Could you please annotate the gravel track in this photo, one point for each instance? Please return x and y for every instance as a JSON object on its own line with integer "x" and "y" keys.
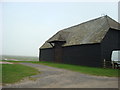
{"x": 51, "y": 77}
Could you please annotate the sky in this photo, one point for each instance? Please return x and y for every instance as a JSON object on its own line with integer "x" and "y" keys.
{"x": 25, "y": 26}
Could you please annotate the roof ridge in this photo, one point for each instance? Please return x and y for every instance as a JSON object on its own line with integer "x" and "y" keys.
{"x": 112, "y": 23}
{"x": 92, "y": 31}
{"x": 112, "y": 19}
{"x": 84, "y": 22}
{"x": 107, "y": 21}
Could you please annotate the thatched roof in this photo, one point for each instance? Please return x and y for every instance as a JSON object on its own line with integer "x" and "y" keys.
{"x": 89, "y": 32}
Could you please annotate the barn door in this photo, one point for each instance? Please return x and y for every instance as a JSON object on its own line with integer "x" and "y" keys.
{"x": 58, "y": 52}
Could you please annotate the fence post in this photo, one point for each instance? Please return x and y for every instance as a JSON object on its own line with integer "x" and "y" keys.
{"x": 113, "y": 65}
{"x": 104, "y": 63}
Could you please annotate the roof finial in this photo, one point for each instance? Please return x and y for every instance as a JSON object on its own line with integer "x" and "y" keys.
{"x": 103, "y": 14}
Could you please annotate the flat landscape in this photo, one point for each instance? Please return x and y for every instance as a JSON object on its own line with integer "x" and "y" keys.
{"x": 20, "y": 58}
{"x": 63, "y": 76}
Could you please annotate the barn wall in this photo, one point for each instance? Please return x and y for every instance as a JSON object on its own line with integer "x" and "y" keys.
{"x": 89, "y": 55}
{"x": 86, "y": 55}
{"x": 46, "y": 54}
{"x": 110, "y": 43}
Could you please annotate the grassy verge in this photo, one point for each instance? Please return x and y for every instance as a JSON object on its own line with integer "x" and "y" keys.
{"x": 0, "y": 73}
{"x": 14, "y": 72}
{"x": 82, "y": 69}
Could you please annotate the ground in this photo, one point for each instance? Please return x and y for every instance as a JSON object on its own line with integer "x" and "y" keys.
{"x": 51, "y": 77}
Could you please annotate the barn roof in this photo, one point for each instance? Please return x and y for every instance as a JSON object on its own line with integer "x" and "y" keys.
{"x": 89, "y": 32}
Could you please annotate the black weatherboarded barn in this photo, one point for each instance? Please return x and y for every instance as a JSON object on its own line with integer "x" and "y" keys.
{"x": 86, "y": 44}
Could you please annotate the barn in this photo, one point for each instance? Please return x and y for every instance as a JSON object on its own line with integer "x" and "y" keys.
{"x": 86, "y": 44}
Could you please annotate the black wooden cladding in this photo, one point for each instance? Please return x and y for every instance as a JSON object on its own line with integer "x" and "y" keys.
{"x": 110, "y": 43}
{"x": 86, "y": 54}
{"x": 46, "y": 54}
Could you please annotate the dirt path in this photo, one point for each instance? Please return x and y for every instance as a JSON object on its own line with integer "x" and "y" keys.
{"x": 59, "y": 78}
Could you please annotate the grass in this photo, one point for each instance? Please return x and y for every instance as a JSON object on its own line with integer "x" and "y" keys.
{"x": 15, "y": 72}
{"x": 82, "y": 69}
{"x": 0, "y": 73}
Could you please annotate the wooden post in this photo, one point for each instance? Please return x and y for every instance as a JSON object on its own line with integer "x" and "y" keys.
{"x": 104, "y": 63}
{"x": 113, "y": 65}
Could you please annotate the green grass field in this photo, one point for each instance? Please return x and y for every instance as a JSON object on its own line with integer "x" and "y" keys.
{"x": 15, "y": 72}
{"x": 82, "y": 69}
{"x": 85, "y": 69}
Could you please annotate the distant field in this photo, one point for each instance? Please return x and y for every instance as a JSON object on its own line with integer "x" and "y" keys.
{"x": 23, "y": 58}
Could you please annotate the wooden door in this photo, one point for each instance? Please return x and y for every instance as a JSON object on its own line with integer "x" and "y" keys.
{"x": 58, "y": 53}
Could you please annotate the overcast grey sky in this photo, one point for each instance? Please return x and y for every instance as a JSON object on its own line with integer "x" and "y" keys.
{"x": 26, "y": 26}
